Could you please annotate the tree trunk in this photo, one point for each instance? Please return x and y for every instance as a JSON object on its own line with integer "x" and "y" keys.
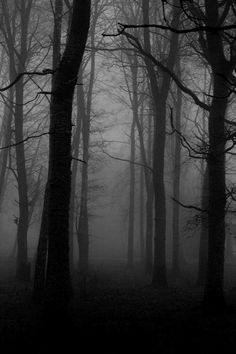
{"x": 75, "y": 152}
{"x": 42, "y": 249}
{"x": 58, "y": 284}
{"x": 213, "y": 295}
{"x": 130, "y": 255}
{"x": 176, "y": 191}
{"x": 83, "y": 228}
{"x": 160, "y": 95}
{"x": 41, "y": 255}
{"x": 159, "y": 266}
{"x": 202, "y": 266}
{"x": 149, "y": 205}
{"x": 8, "y": 116}
{"x": 23, "y": 267}
{"x": 221, "y": 71}
{"x": 141, "y": 218}
{"x": 149, "y": 230}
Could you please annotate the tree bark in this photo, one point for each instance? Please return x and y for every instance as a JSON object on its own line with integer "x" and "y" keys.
{"x": 75, "y": 152}
{"x": 221, "y": 70}
{"x": 41, "y": 255}
{"x": 159, "y": 95}
{"x": 8, "y": 117}
{"x": 213, "y": 294}
{"x": 130, "y": 255}
{"x": 176, "y": 252}
{"x": 141, "y": 218}
{"x": 202, "y": 265}
{"x": 42, "y": 249}
{"x": 83, "y": 227}
{"x": 58, "y": 284}
{"x": 23, "y": 267}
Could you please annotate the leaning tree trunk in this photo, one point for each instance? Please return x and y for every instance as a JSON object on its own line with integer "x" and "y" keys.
{"x": 42, "y": 249}
{"x": 58, "y": 284}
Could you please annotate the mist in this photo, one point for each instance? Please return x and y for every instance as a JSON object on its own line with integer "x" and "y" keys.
{"x": 117, "y": 176}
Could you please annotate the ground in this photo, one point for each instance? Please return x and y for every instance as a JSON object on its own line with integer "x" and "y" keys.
{"x": 119, "y": 312}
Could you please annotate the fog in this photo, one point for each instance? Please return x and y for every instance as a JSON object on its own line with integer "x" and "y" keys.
{"x": 117, "y": 175}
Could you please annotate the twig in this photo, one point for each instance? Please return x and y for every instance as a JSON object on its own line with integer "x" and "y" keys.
{"x": 23, "y": 141}
{"x": 190, "y": 206}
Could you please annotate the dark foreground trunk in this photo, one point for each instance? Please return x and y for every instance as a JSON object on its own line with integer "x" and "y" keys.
{"x": 214, "y": 295}
{"x": 58, "y": 284}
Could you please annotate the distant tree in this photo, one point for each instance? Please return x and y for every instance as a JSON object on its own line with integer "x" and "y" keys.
{"x": 160, "y": 95}
{"x": 176, "y": 252}
{"x": 18, "y": 50}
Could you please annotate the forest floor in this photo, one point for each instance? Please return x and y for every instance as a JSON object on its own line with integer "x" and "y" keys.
{"x": 120, "y": 313}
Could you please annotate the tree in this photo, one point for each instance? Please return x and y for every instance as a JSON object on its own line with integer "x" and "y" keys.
{"x": 42, "y": 249}
{"x": 160, "y": 95}
{"x": 59, "y": 177}
{"x": 18, "y": 61}
{"x": 222, "y": 69}
{"x": 176, "y": 253}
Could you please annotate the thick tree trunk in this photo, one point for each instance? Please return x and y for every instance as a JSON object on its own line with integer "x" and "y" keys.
{"x": 213, "y": 295}
{"x": 42, "y": 249}
{"x": 58, "y": 283}
{"x": 221, "y": 70}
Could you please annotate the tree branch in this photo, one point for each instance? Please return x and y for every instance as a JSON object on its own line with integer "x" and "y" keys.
{"x": 29, "y": 73}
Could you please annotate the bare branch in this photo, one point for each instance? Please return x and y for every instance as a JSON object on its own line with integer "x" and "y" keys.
{"x": 23, "y": 141}
{"x": 19, "y": 76}
{"x": 190, "y": 206}
{"x": 126, "y": 160}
